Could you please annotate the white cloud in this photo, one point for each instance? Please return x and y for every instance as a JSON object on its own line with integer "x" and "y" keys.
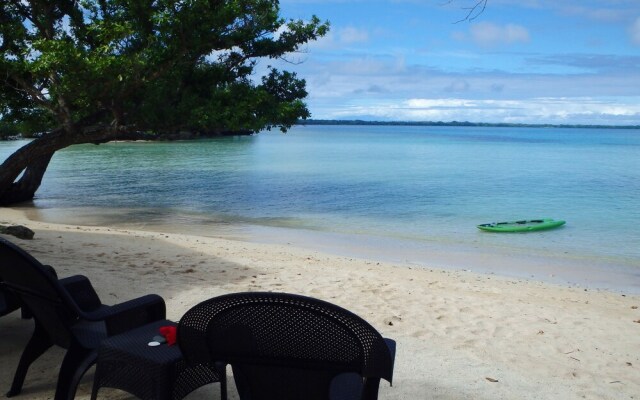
{"x": 327, "y": 42}
{"x": 538, "y": 110}
{"x": 337, "y": 39}
{"x": 634, "y": 32}
{"x": 437, "y": 103}
{"x": 487, "y": 34}
{"x": 350, "y": 35}
{"x": 330, "y": 43}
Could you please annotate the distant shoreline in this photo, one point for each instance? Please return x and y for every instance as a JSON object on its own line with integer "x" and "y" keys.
{"x": 144, "y": 137}
{"x": 458, "y": 123}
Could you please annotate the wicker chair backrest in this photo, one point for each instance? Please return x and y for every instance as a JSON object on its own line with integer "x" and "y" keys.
{"x": 39, "y": 290}
{"x": 8, "y": 301}
{"x": 286, "y": 334}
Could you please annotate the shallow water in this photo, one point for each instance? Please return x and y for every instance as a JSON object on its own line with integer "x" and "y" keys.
{"x": 396, "y": 193}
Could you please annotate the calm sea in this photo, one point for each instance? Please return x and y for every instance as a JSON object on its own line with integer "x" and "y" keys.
{"x": 402, "y": 194}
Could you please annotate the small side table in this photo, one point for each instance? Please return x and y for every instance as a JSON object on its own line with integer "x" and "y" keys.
{"x": 127, "y": 362}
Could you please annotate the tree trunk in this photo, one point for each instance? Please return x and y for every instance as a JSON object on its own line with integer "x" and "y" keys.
{"x": 32, "y": 160}
{"x": 25, "y": 188}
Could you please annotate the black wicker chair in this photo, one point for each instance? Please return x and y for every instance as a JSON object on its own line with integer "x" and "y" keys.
{"x": 288, "y": 347}
{"x": 67, "y": 313}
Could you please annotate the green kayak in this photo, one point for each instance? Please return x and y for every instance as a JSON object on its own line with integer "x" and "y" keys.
{"x": 522, "y": 226}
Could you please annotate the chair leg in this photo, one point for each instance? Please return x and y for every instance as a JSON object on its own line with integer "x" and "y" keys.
{"x": 76, "y": 362}
{"x": 25, "y": 313}
{"x": 95, "y": 388}
{"x": 222, "y": 370}
{"x": 38, "y": 344}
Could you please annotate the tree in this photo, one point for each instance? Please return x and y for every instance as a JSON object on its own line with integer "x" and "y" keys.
{"x": 90, "y": 71}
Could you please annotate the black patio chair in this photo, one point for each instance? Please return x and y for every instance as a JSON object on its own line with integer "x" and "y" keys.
{"x": 67, "y": 313}
{"x": 288, "y": 347}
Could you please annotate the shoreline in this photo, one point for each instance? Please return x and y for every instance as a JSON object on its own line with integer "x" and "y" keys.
{"x": 509, "y": 263}
{"x": 454, "y": 328}
{"x": 482, "y": 256}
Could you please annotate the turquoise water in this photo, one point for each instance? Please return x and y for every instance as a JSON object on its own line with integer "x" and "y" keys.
{"x": 400, "y": 193}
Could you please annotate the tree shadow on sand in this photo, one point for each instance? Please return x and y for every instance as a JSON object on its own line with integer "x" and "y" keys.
{"x": 119, "y": 270}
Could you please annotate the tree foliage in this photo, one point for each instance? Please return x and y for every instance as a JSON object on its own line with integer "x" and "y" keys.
{"x": 89, "y": 70}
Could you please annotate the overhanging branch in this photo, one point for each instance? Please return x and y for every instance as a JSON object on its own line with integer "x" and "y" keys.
{"x": 473, "y": 11}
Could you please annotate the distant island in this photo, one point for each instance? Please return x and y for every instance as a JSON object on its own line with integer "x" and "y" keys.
{"x": 458, "y": 123}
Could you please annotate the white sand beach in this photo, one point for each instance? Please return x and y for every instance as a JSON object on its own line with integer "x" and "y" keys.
{"x": 460, "y": 335}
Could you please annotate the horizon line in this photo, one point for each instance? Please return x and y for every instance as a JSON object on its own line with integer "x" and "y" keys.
{"x": 458, "y": 123}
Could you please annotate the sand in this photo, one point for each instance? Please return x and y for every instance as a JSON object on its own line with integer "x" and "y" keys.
{"x": 460, "y": 335}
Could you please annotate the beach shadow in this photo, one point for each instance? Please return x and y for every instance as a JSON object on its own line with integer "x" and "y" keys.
{"x": 120, "y": 270}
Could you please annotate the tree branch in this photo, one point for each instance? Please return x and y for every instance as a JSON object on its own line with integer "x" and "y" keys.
{"x": 473, "y": 11}
{"x": 21, "y": 85}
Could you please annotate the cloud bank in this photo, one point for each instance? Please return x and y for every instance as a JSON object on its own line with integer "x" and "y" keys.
{"x": 487, "y": 34}
{"x": 538, "y": 110}
{"x": 520, "y": 61}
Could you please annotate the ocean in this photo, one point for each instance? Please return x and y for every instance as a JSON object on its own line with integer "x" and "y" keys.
{"x": 406, "y": 194}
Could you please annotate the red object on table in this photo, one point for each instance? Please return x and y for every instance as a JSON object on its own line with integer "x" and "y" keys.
{"x": 169, "y": 333}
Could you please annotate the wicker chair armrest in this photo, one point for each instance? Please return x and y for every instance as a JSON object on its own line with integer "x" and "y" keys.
{"x": 51, "y": 270}
{"x": 129, "y": 314}
{"x": 372, "y": 384}
{"x": 82, "y": 292}
{"x": 391, "y": 344}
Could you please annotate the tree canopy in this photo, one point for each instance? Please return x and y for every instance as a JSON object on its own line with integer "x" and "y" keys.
{"x": 89, "y": 71}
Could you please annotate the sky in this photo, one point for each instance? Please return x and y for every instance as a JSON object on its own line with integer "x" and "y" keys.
{"x": 518, "y": 61}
